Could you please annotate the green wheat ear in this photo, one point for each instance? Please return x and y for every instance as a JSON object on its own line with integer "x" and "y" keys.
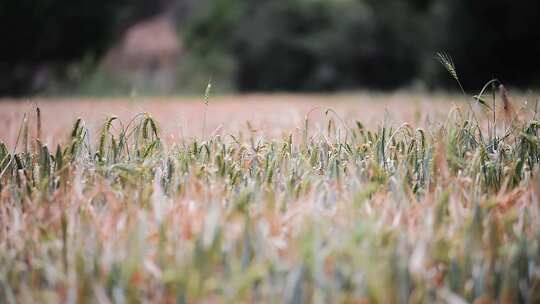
{"x": 207, "y": 91}
{"x": 448, "y": 64}
{"x": 206, "y": 99}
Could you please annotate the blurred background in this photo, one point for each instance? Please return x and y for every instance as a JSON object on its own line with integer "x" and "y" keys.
{"x": 163, "y": 47}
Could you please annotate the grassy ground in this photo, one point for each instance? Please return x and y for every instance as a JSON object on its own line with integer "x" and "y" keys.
{"x": 337, "y": 199}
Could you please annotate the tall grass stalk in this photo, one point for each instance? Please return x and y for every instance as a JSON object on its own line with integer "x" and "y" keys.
{"x": 206, "y": 101}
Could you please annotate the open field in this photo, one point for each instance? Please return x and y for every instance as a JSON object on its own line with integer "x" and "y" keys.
{"x": 271, "y": 199}
{"x": 271, "y": 115}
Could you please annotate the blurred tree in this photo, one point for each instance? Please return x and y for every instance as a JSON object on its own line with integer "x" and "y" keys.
{"x": 383, "y": 44}
{"x": 314, "y": 44}
{"x": 40, "y": 37}
{"x": 302, "y": 45}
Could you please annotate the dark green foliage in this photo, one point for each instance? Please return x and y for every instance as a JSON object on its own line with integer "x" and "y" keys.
{"x": 319, "y": 45}
{"x": 295, "y": 45}
{"x": 311, "y": 45}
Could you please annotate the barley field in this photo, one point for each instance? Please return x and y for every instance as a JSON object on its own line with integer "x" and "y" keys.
{"x": 359, "y": 198}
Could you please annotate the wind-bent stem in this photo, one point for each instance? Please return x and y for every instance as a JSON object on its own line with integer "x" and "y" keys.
{"x": 494, "y": 112}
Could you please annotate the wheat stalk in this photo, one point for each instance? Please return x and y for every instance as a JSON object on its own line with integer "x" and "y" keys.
{"x": 206, "y": 100}
{"x": 448, "y": 63}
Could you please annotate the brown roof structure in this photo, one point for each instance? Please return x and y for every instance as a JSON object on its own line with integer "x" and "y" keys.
{"x": 155, "y": 37}
{"x": 148, "y": 53}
